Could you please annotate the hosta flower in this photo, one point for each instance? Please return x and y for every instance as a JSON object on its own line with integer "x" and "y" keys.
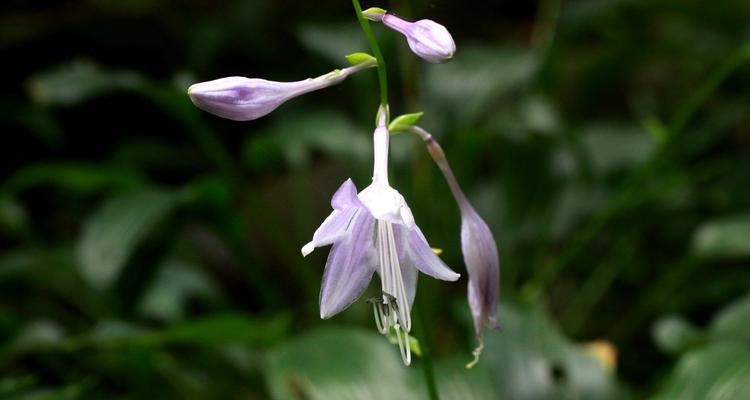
{"x": 426, "y": 38}
{"x": 477, "y": 244}
{"x": 374, "y": 231}
{"x": 243, "y": 99}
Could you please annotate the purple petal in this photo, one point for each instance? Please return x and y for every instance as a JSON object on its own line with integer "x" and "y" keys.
{"x": 332, "y": 229}
{"x": 346, "y": 196}
{"x": 409, "y": 276}
{"x": 419, "y": 255}
{"x": 481, "y": 258}
{"x": 349, "y": 268}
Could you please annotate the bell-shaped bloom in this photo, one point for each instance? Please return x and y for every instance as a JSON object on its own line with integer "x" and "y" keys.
{"x": 477, "y": 244}
{"x": 374, "y": 231}
{"x": 426, "y": 38}
{"x": 244, "y": 99}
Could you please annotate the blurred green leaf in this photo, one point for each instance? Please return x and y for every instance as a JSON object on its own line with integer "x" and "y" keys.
{"x": 530, "y": 359}
{"x": 733, "y": 321}
{"x": 113, "y": 232}
{"x": 332, "y": 41}
{"x": 79, "y": 81}
{"x": 175, "y": 284}
{"x": 726, "y": 237}
{"x": 13, "y": 217}
{"x": 472, "y": 82}
{"x": 718, "y": 371}
{"x": 36, "y": 334}
{"x": 68, "y": 392}
{"x": 296, "y": 137}
{"x": 674, "y": 335}
{"x": 456, "y": 382}
{"x": 336, "y": 364}
{"x": 615, "y": 146}
{"x": 79, "y": 178}
{"x": 224, "y": 329}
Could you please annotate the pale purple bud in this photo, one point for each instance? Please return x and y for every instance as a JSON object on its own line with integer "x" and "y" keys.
{"x": 426, "y": 38}
{"x": 477, "y": 245}
{"x": 244, "y": 99}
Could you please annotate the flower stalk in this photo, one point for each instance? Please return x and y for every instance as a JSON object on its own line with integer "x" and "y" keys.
{"x": 373, "y": 43}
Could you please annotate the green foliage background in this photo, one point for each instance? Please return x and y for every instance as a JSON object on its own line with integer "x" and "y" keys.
{"x": 150, "y": 250}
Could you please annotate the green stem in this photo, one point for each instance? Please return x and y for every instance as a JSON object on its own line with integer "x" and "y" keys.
{"x": 382, "y": 75}
{"x": 691, "y": 105}
{"x": 429, "y": 372}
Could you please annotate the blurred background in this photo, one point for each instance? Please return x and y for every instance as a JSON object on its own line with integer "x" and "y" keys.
{"x": 150, "y": 250}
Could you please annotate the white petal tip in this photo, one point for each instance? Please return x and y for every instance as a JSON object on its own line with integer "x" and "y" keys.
{"x": 453, "y": 277}
{"x": 307, "y": 249}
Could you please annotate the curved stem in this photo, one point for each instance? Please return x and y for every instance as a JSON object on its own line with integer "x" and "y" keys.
{"x": 382, "y": 75}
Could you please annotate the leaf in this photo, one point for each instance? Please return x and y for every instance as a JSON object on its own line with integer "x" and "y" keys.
{"x": 456, "y": 382}
{"x": 469, "y": 84}
{"x": 529, "y": 359}
{"x": 403, "y": 122}
{"x": 224, "y": 329}
{"x": 733, "y": 321}
{"x": 335, "y": 364}
{"x": 13, "y": 216}
{"x": 115, "y": 230}
{"x": 614, "y": 146}
{"x": 718, "y": 371}
{"x": 175, "y": 284}
{"x": 723, "y": 238}
{"x": 79, "y": 178}
{"x": 79, "y": 81}
{"x": 332, "y": 40}
{"x": 674, "y": 335}
{"x": 296, "y": 137}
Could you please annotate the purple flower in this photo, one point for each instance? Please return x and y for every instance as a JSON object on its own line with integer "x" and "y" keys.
{"x": 374, "y": 231}
{"x": 477, "y": 245}
{"x": 244, "y": 99}
{"x": 426, "y": 38}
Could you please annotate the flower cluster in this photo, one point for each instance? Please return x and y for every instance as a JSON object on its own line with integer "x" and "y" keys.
{"x": 374, "y": 230}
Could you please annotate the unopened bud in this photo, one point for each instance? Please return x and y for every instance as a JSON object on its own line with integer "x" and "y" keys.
{"x": 427, "y": 39}
{"x": 244, "y": 99}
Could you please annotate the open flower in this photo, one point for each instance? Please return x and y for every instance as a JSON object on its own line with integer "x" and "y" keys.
{"x": 426, "y": 38}
{"x": 244, "y": 99}
{"x": 374, "y": 231}
{"x": 477, "y": 245}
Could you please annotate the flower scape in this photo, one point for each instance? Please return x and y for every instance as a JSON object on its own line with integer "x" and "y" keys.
{"x": 373, "y": 230}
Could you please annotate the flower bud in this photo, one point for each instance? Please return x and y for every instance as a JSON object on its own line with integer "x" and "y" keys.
{"x": 244, "y": 99}
{"x": 477, "y": 245}
{"x": 426, "y": 38}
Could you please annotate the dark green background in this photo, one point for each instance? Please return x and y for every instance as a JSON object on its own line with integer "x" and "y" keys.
{"x": 151, "y": 250}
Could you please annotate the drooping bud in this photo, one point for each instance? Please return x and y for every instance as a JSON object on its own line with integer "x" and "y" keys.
{"x": 427, "y": 39}
{"x": 244, "y": 99}
{"x": 477, "y": 245}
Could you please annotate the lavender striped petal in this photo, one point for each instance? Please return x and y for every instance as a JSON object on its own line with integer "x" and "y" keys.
{"x": 346, "y": 196}
{"x": 349, "y": 268}
{"x": 419, "y": 255}
{"x": 334, "y": 227}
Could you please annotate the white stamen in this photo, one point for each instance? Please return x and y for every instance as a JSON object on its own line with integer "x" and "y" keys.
{"x": 403, "y": 302}
{"x": 404, "y": 346}
{"x": 394, "y": 310}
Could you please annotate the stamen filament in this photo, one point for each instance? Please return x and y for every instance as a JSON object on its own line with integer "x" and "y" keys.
{"x": 404, "y": 346}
